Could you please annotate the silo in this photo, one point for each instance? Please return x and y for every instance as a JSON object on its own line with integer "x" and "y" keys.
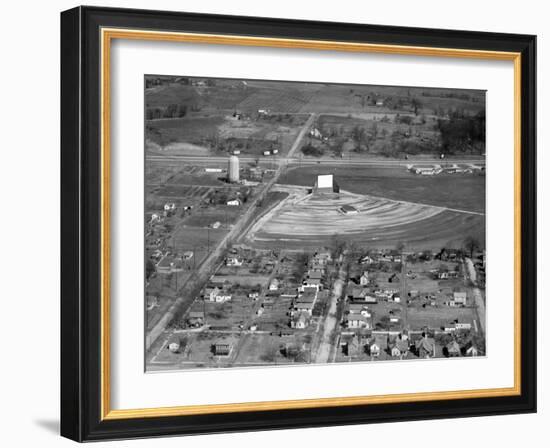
{"x": 233, "y": 170}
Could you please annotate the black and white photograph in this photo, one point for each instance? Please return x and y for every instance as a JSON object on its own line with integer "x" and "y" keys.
{"x": 307, "y": 223}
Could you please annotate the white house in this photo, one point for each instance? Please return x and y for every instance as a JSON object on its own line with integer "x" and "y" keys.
{"x": 358, "y": 308}
{"x": 399, "y": 348}
{"x": 472, "y": 351}
{"x": 234, "y": 202}
{"x": 364, "y": 279}
{"x": 304, "y": 307}
{"x": 215, "y": 295}
{"x": 367, "y": 260}
{"x": 274, "y": 285}
{"x": 300, "y": 321}
{"x": 233, "y": 261}
{"x": 359, "y": 321}
{"x": 459, "y": 298}
{"x": 312, "y": 283}
{"x": 169, "y": 207}
{"x": 374, "y": 350}
{"x": 173, "y": 347}
{"x": 222, "y": 298}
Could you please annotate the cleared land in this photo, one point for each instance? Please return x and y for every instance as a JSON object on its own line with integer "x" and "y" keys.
{"x": 311, "y": 220}
{"x": 464, "y": 192}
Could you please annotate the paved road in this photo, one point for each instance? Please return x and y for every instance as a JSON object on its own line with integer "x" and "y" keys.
{"x": 290, "y": 160}
{"x": 478, "y": 298}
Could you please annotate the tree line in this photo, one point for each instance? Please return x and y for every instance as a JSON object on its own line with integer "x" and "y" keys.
{"x": 170, "y": 111}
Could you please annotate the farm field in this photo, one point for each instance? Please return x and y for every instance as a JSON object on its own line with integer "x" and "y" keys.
{"x": 335, "y": 98}
{"x": 460, "y": 191}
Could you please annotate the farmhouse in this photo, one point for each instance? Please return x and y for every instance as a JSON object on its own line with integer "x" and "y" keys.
{"x": 234, "y": 202}
{"x": 364, "y": 279}
{"x": 274, "y": 285}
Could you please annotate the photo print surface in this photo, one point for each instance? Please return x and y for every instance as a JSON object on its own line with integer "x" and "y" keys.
{"x": 294, "y": 223}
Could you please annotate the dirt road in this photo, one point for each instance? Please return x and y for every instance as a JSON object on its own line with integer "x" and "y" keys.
{"x": 331, "y": 321}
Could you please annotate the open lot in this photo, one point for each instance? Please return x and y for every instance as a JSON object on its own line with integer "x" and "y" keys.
{"x": 460, "y": 191}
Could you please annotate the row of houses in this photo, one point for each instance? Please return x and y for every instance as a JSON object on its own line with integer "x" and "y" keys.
{"x": 402, "y": 347}
{"x": 309, "y": 291}
{"x": 380, "y": 257}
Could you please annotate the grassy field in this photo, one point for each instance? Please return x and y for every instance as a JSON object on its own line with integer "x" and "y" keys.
{"x": 460, "y": 191}
{"x": 190, "y": 130}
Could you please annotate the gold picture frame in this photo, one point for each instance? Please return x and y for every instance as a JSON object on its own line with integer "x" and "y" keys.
{"x": 106, "y": 33}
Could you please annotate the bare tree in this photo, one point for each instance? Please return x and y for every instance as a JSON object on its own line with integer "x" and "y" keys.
{"x": 471, "y": 243}
{"x": 416, "y": 104}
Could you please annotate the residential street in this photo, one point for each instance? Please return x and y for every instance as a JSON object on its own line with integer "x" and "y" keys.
{"x": 478, "y": 299}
